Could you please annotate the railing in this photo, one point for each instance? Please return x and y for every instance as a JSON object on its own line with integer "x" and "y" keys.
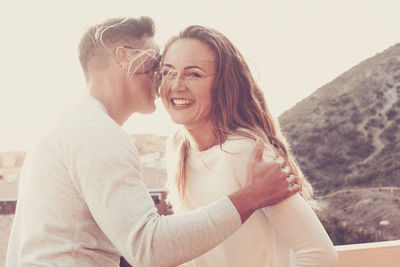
{"x": 378, "y": 254}
{"x": 7, "y": 206}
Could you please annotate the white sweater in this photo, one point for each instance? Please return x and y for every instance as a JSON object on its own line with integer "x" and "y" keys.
{"x": 270, "y": 236}
{"x": 82, "y": 202}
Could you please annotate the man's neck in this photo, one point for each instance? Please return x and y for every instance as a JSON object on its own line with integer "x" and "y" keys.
{"x": 109, "y": 92}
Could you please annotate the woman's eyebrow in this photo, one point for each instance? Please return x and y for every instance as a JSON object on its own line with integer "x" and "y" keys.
{"x": 193, "y": 67}
{"x": 185, "y": 68}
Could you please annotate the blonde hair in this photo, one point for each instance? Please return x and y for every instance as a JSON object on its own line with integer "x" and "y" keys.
{"x": 238, "y": 106}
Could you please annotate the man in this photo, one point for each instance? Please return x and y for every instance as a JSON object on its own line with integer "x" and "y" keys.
{"x": 82, "y": 201}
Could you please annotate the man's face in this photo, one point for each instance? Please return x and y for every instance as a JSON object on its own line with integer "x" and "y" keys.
{"x": 141, "y": 67}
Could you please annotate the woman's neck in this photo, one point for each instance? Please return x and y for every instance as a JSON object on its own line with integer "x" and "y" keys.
{"x": 202, "y": 138}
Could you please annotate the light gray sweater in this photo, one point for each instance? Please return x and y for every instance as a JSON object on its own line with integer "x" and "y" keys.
{"x": 82, "y": 202}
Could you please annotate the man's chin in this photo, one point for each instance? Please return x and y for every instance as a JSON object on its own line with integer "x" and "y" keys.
{"x": 148, "y": 110}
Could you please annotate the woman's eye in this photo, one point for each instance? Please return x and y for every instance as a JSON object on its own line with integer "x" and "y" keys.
{"x": 193, "y": 75}
{"x": 168, "y": 74}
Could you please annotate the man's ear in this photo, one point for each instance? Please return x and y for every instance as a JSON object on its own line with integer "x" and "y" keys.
{"x": 121, "y": 56}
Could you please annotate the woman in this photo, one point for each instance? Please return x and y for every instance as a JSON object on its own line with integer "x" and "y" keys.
{"x": 207, "y": 87}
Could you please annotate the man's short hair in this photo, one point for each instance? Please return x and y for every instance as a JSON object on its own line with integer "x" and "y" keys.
{"x": 100, "y": 39}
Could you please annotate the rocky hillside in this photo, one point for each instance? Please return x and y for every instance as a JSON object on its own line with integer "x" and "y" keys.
{"x": 346, "y": 135}
{"x": 361, "y": 215}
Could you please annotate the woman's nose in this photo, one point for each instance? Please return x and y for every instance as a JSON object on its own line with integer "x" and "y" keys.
{"x": 178, "y": 84}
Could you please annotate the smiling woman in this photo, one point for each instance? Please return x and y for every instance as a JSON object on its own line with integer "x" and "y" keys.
{"x": 207, "y": 87}
{"x": 187, "y": 77}
{"x": 81, "y": 186}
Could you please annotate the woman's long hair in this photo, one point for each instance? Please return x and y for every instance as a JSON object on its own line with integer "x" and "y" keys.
{"x": 238, "y": 106}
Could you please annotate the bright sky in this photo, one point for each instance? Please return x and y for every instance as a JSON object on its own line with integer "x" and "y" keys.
{"x": 294, "y": 47}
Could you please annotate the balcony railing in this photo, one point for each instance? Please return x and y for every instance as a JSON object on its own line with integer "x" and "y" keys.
{"x": 377, "y": 254}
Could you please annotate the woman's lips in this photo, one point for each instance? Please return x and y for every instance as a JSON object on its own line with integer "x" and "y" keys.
{"x": 181, "y": 102}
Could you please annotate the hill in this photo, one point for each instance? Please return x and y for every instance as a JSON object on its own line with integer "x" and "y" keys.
{"x": 346, "y": 136}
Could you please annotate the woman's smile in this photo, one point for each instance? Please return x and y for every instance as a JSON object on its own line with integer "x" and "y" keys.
{"x": 181, "y": 103}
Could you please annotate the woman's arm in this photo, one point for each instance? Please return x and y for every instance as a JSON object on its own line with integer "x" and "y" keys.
{"x": 297, "y": 224}
{"x": 293, "y": 219}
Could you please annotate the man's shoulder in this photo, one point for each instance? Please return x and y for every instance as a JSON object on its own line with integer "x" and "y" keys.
{"x": 84, "y": 122}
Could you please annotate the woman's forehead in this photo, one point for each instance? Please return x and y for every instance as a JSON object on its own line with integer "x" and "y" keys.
{"x": 188, "y": 52}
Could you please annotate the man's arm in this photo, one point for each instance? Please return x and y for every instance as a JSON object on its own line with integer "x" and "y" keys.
{"x": 266, "y": 184}
{"x": 109, "y": 180}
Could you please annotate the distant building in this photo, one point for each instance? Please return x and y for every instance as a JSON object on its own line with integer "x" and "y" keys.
{"x": 10, "y": 166}
{"x": 155, "y": 180}
{"x": 153, "y": 160}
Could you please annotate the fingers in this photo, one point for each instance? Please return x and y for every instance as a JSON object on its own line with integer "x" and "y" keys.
{"x": 271, "y": 184}
{"x": 294, "y": 188}
{"x": 285, "y": 167}
{"x": 293, "y": 184}
{"x": 291, "y": 179}
{"x": 280, "y": 160}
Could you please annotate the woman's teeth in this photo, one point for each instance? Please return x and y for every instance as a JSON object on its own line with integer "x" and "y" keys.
{"x": 181, "y": 101}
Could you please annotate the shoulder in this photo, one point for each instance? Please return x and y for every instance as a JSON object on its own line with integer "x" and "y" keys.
{"x": 240, "y": 146}
{"x": 88, "y": 119}
{"x": 85, "y": 125}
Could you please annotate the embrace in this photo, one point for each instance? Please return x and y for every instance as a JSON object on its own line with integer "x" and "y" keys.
{"x": 239, "y": 197}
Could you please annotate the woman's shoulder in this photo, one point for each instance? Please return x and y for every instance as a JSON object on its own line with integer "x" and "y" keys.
{"x": 244, "y": 146}
{"x": 238, "y": 144}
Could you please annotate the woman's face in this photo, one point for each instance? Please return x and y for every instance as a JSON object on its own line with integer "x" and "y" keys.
{"x": 188, "y": 73}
